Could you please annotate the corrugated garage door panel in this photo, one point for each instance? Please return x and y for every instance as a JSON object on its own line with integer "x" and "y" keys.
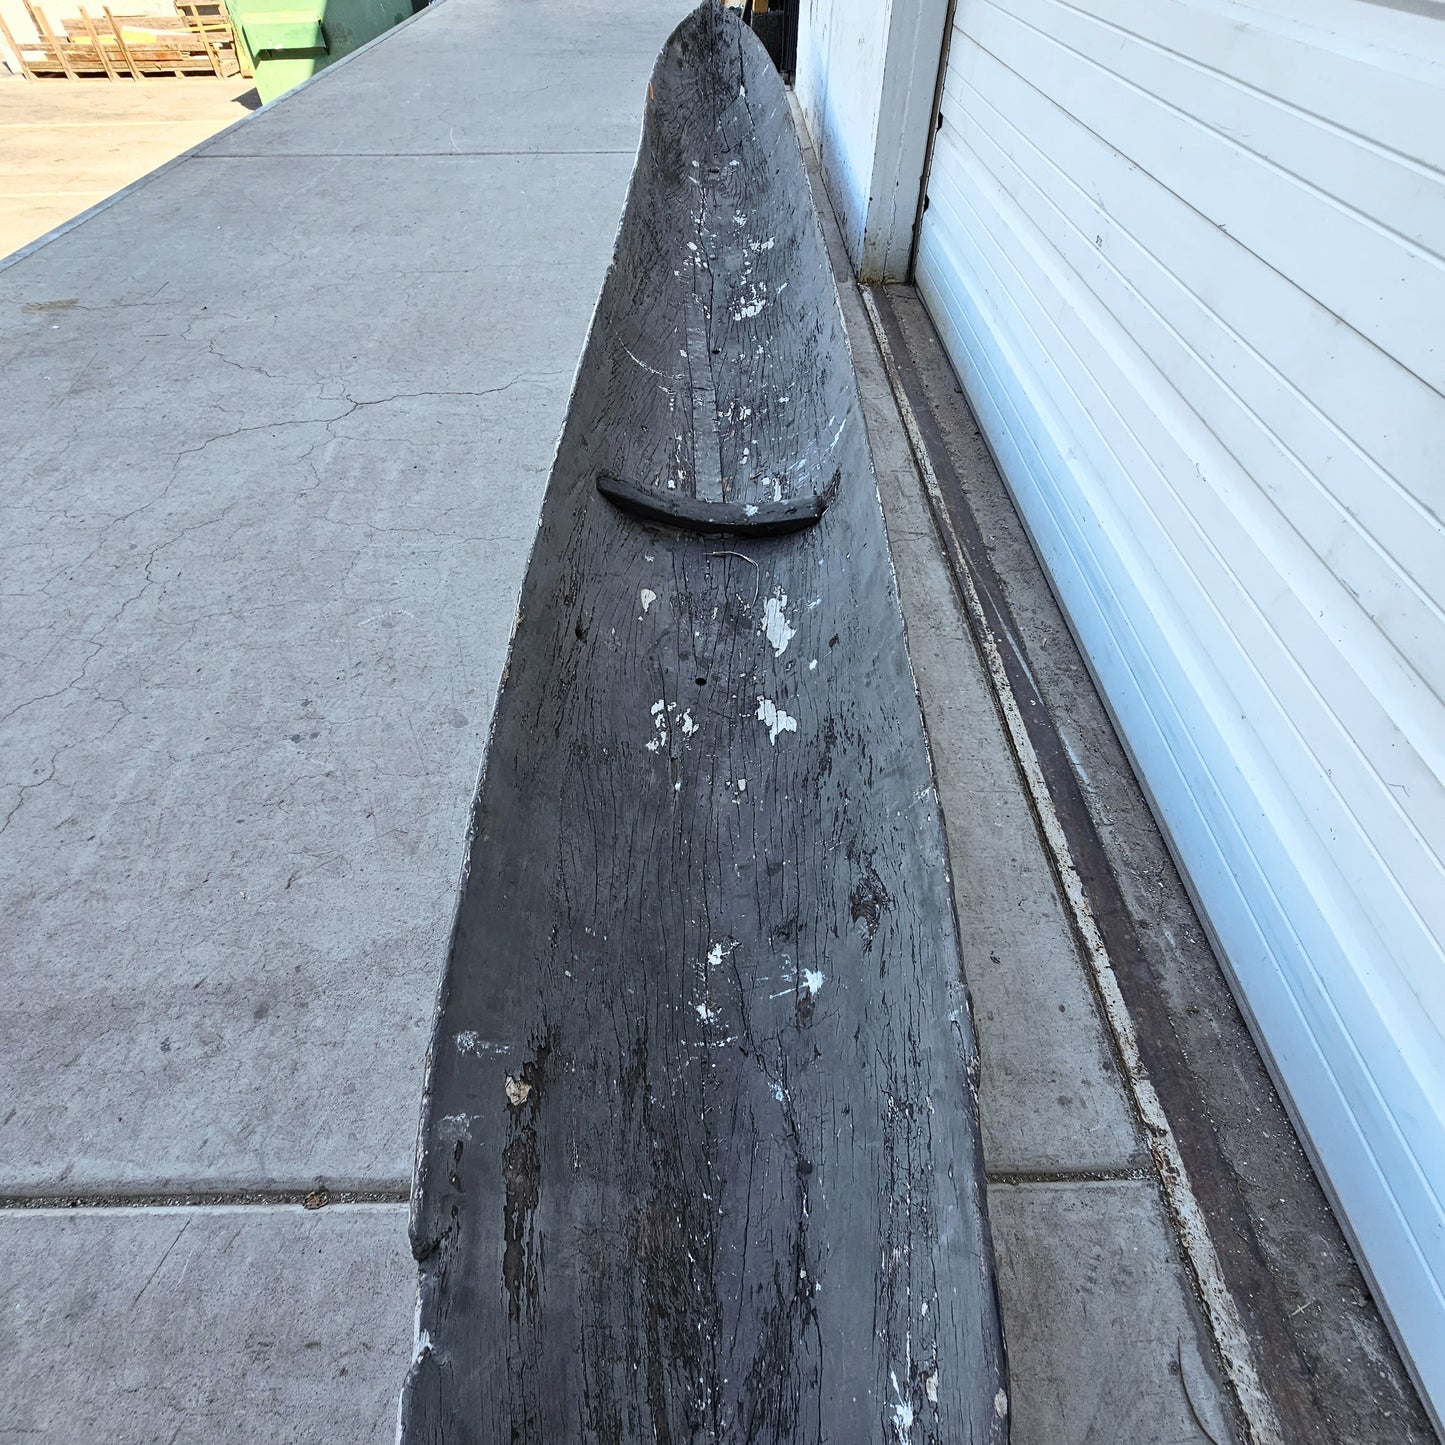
{"x": 1188, "y": 260}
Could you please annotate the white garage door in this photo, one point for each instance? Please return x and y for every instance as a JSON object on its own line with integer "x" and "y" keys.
{"x": 1189, "y": 259}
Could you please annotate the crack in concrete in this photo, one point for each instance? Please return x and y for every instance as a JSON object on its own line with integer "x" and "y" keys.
{"x": 352, "y": 405}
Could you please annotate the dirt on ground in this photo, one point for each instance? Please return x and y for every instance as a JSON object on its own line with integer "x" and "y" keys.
{"x": 66, "y": 144}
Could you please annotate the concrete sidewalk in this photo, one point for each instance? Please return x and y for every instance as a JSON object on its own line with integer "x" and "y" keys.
{"x": 277, "y": 426}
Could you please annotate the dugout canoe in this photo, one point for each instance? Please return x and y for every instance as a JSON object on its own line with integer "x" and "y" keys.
{"x": 699, "y": 1156}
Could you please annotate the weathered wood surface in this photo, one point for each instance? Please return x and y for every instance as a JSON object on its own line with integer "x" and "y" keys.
{"x": 699, "y": 1155}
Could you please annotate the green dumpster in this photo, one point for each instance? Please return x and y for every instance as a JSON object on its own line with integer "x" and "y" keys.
{"x": 286, "y": 41}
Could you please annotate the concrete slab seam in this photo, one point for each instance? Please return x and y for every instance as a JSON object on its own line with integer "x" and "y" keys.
{"x": 51, "y": 1210}
{"x": 1235, "y": 1350}
{"x": 312, "y": 1197}
{"x": 1068, "y": 1176}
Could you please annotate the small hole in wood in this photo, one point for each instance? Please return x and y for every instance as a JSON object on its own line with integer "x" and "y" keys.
{"x": 701, "y": 681}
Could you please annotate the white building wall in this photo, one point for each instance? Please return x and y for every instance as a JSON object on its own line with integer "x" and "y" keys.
{"x": 839, "y": 84}
{"x": 866, "y": 75}
{"x": 1189, "y": 259}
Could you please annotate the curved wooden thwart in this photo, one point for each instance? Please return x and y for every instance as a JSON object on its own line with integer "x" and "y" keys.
{"x": 699, "y": 1156}
{"x": 694, "y": 514}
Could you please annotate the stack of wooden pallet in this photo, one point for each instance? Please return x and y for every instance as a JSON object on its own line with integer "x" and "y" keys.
{"x": 193, "y": 39}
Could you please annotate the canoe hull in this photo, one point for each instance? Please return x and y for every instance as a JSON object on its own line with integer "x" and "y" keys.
{"x": 699, "y": 1154}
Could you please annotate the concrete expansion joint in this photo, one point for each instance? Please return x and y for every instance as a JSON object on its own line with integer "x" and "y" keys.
{"x": 313, "y": 1197}
{"x": 1017, "y": 1177}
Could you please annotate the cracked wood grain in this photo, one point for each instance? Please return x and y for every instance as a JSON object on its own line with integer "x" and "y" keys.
{"x": 699, "y": 1156}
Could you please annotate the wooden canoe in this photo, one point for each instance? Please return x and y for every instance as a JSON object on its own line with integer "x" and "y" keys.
{"x": 699, "y": 1157}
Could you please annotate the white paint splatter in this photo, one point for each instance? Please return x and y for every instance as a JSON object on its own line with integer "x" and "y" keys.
{"x": 775, "y": 625}
{"x": 715, "y": 955}
{"x": 685, "y": 724}
{"x": 813, "y": 665}
{"x": 813, "y": 981}
{"x": 749, "y": 305}
{"x": 779, "y": 1093}
{"x": 706, "y": 1014}
{"x": 902, "y": 1412}
{"x": 930, "y": 1387}
{"x": 749, "y": 510}
{"x": 659, "y": 721}
{"x": 761, "y": 245}
{"x": 648, "y": 598}
{"x": 469, "y": 1041}
{"x": 517, "y": 1091}
{"x": 1000, "y": 1404}
{"x": 775, "y": 719}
